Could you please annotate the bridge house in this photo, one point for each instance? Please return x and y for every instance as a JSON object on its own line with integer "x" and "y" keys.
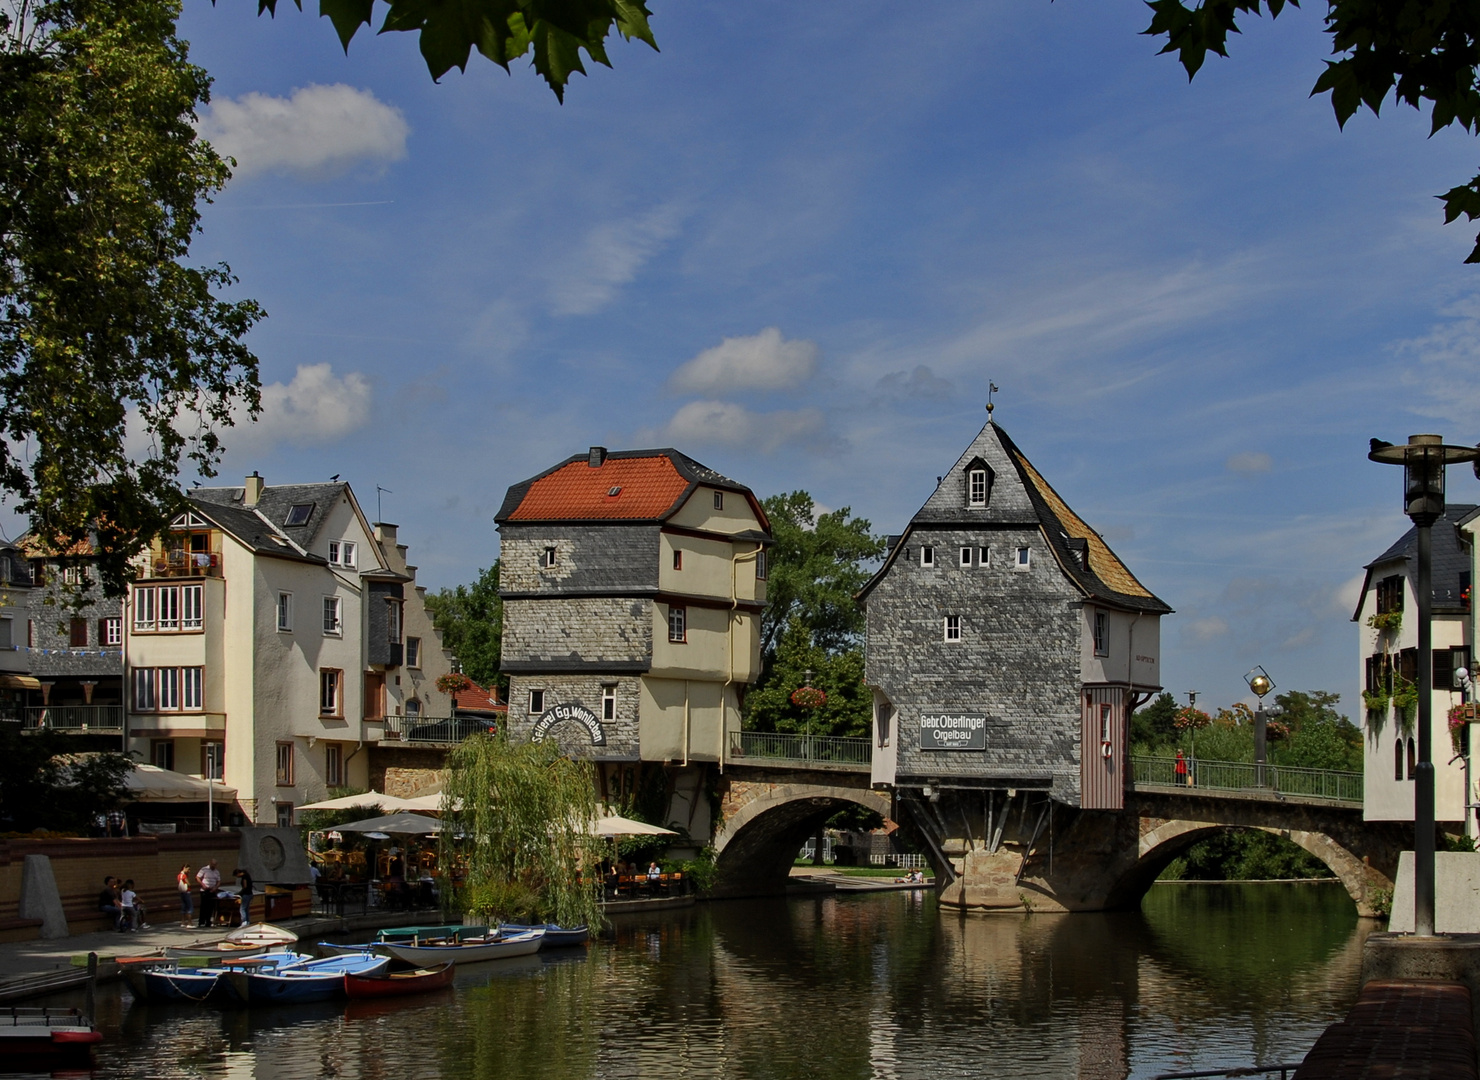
{"x": 633, "y": 584}
{"x": 1388, "y": 659}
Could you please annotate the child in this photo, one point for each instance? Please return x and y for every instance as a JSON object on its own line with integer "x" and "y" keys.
{"x": 133, "y": 910}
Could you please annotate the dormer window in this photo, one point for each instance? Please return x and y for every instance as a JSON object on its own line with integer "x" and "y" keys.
{"x": 978, "y": 485}
{"x": 298, "y": 514}
{"x": 547, "y": 558}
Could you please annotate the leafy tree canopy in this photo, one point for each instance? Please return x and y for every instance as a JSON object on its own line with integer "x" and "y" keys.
{"x": 471, "y": 618}
{"x": 43, "y": 787}
{"x": 1423, "y": 52}
{"x": 849, "y": 706}
{"x": 103, "y": 325}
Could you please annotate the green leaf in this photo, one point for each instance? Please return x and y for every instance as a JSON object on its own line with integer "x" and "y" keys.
{"x": 347, "y": 16}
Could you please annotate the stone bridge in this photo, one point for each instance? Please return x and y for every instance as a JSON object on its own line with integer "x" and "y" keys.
{"x": 1006, "y": 850}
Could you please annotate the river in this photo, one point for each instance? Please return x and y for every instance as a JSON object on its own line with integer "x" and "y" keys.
{"x": 862, "y": 985}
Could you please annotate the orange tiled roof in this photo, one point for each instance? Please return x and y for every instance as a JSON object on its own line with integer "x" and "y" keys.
{"x": 477, "y": 699}
{"x": 649, "y": 486}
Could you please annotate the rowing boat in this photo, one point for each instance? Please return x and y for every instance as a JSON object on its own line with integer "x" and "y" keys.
{"x": 44, "y": 1033}
{"x": 555, "y": 936}
{"x": 245, "y": 941}
{"x": 176, "y": 981}
{"x": 296, "y": 984}
{"x": 465, "y": 950}
{"x": 396, "y": 983}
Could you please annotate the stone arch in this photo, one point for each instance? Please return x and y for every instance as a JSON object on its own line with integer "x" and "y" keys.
{"x": 762, "y": 831}
{"x": 1167, "y": 839}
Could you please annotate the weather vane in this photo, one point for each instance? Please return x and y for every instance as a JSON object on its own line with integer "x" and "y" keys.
{"x": 991, "y": 389}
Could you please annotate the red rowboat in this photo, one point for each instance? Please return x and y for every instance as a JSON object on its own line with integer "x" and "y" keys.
{"x": 396, "y": 983}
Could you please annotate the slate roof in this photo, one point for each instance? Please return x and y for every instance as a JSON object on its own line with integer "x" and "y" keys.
{"x": 651, "y": 486}
{"x": 276, "y": 501}
{"x": 1021, "y": 496}
{"x": 250, "y": 529}
{"x": 1451, "y": 567}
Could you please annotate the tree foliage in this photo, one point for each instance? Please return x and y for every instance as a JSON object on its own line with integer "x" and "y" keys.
{"x": 471, "y": 618}
{"x": 1423, "y": 52}
{"x": 43, "y": 787}
{"x": 103, "y": 326}
{"x": 523, "y": 811}
{"x": 849, "y": 706}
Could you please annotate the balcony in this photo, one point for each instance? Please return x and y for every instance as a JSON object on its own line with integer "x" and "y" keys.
{"x": 179, "y": 563}
{"x": 431, "y": 730}
{"x": 72, "y": 719}
{"x": 780, "y": 749}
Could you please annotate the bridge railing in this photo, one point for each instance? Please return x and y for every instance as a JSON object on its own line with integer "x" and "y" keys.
{"x": 1246, "y": 776}
{"x": 818, "y": 751}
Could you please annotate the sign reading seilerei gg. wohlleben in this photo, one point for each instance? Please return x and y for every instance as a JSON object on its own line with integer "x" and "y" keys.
{"x": 561, "y": 713}
{"x": 953, "y": 731}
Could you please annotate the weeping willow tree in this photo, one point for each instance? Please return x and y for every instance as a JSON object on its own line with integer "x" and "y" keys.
{"x": 522, "y": 811}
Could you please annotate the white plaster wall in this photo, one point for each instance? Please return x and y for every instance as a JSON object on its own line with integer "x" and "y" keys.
{"x": 1135, "y": 649}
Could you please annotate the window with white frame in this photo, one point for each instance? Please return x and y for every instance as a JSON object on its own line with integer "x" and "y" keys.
{"x": 1023, "y": 559}
{"x": 976, "y": 487}
{"x": 169, "y": 689}
{"x": 413, "y": 652}
{"x": 72, "y": 575}
{"x": 342, "y": 553}
{"x": 984, "y": 556}
{"x": 953, "y": 628}
{"x": 719, "y": 500}
{"x": 144, "y": 612}
{"x": 413, "y": 707}
{"x": 547, "y": 558}
{"x": 536, "y": 702}
{"x": 144, "y": 697}
{"x": 331, "y": 692}
{"x": 927, "y": 555}
{"x": 1102, "y": 634}
{"x": 333, "y": 615}
{"x": 393, "y": 621}
{"x": 112, "y": 630}
{"x": 192, "y": 607}
{"x": 966, "y": 556}
{"x": 334, "y": 765}
{"x": 678, "y": 624}
{"x": 608, "y": 702}
{"x": 760, "y": 565}
{"x": 1105, "y": 725}
{"x": 192, "y": 689}
{"x": 285, "y": 764}
{"x": 285, "y": 611}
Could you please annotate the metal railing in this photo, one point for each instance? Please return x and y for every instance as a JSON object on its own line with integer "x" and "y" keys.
{"x": 443, "y": 730}
{"x": 70, "y": 718}
{"x": 1247, "y": 777}
{"x": 822, "y": 751}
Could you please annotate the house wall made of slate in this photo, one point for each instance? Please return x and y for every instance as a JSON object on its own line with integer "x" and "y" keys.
{"x": 587, "y": 557}
{"x": 622, "y": 742}
{"x": 1018, "y": 661}
{"x": 53, "y": 656}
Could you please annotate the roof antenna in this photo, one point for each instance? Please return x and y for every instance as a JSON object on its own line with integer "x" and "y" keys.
{"x": 378, "y": 489}
{"x": 991, "y": 389}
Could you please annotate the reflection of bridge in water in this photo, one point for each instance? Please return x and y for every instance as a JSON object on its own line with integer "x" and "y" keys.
{"x": 996, "y": 848}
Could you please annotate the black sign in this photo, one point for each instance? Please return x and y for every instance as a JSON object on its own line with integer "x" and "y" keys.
{"x": 953, "y": 731}
{"x": 560, "y": 713}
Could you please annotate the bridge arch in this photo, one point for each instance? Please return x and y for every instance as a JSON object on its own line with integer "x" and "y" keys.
{"x": 765, "y": 824}
{"x": 1163, "y": 841}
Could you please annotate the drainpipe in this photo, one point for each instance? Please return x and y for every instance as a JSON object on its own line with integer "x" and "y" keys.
{"x": 735, "y": 561}
{"x": 686, "y": 723}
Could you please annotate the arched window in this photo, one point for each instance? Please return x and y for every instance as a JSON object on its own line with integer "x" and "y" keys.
{"x": 1412, "y": 759}
{"x": 1398, "y": 760}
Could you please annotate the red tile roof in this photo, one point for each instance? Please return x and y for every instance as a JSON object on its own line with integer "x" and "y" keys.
{"x": 648, "y": 488}
{"x": 477, "y": 699}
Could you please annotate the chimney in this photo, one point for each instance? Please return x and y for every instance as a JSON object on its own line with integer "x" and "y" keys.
{"x": 385, "y": 532}
{"x": 252, "y": 493}
{"x": 597, "y": 458}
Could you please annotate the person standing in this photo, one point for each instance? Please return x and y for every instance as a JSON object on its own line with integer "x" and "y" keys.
{"x": 1181, "y": 770}
{"x": 187, "y": 906}
{"x": 244, "y": 890}
{"x": 209, "y": 879}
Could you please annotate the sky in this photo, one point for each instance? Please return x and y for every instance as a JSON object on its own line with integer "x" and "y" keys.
{"x": 799, "y": 241}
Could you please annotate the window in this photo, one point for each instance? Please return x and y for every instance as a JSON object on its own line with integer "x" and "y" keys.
{"x": 110, "y": 630}
{"x": 169, "y": 608}
{"x": 678, "y": 619}
{"x": 413, "y": 707}
{"x": 342, "y": 553}
{"x": 678, "y": 560}
{"x": 192, "y": 698}
{"x": 72, "y": 575}
{"x": 284, "y": 814}
{"x": 1390, "y": 594}
{"x": 331, "y": 687}
{"x": 333, "y": 622}
{"x": 30, "y": 633}
{"x": 212, "y": 756}
{"x": 1447, "y": 663}
{"x": 927, "y": 556}
{"x": 77, "y": 636}
{"x": 1412, "y": 759}
{"x": 966, "y": 556}
{"x": 162, "y": 753}
{"x": 536, "y": 702}
{"x": 881, "y": 720}
{"x": 760, "y": 565}
{"x": 1398, "y": 760}
{"x": 7, "y": 633}
{"x": 393, "y": 621}
{"x": 413, "y": 652}
{"x": 1104, "y": 723}
{"x": 547, "y": 557}
{"x": 953, "y": 628}
{"x": 169, "y": 689}
{"x": 144, "y": 609}
{"x": 1102, "y": 634}
{"x": 608, "y": 702}
{"x": 285, "y": 764}
{"x": 299, "y": 514}
{"x": 285, "y": 611}
{"x": 719, "y": 500}
{"x": 144, "y": 699}
{"x": 192, "y": 607}
{"x": 984, "y": 556}
{"x": 1023, "y": 560}
{"x": 976, "y": 487}
{"x": 333, "y": 765}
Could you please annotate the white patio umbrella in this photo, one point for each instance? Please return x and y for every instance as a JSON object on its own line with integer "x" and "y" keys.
{"x": 614, "y": 825}
{"x": 395, "y": 825}
{"x": 390, "y": 803}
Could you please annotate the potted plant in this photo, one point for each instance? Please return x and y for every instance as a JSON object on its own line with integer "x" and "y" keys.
{"x": 1460, "y": 719}
{"x": 1391, "y": 621}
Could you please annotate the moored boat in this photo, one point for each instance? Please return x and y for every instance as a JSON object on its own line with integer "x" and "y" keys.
{"x": 465, "y": 950}
{"x": 45, "y": 1033}
{"x": 556, "y": 937}
{"x": 177, "y": 981}
{"x": 396, "y": 983}
{"x": 244, "y": 941}
{"x": 313, "y": 980}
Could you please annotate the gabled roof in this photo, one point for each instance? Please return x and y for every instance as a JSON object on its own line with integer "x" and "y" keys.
{"x": 252, "y": 530}
{"x": 277, "y": 501}
{"x": 650, "y": 486}
{"x": 1021, "y": 496}
{"x": 476, "y": 699}
{"x": 1451, "y": 565}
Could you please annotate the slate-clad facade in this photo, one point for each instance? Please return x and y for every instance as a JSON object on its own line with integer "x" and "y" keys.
{"x": 1007, "y": 644}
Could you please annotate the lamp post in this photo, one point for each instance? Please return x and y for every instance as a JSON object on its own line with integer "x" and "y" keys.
{"x": 1260, "y": 683}
{"x": 1423, "y": 458}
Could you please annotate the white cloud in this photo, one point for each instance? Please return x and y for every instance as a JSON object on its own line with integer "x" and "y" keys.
{"x": 610, "y": 258}
{"x": 764, "y": 361}
{"x": 316, "y": 407}
{"x": 1250, "y": 462}
{"x": 921, "y": 384}
{"x": 729, "y": 424}
{"x": 1207, "y": 629}
{"x": 317, "y": 132}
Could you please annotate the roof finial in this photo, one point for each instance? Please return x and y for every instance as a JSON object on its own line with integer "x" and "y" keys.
{"x": 991, "y": 389}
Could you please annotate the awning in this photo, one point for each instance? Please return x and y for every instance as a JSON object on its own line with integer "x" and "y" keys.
{"x": 394, "y": 824}
{"x": 19, "y": 682}
{"x": 613, "y": 825}
{"x": 368, "y": 799}
{"x": 150, "y": 783}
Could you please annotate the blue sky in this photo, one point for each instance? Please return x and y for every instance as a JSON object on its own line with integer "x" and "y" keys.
{"x": 799, "y": 241}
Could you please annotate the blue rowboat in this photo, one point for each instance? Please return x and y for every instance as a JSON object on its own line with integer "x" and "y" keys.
{"x": 556, "y": 937}
{"x": 296, "y": 984}
{"x": 198, "y": 983}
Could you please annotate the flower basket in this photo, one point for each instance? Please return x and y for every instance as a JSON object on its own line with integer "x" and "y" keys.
{"x": 808, "y": 697}
{"x": 453, "y": 683}
{"x": 1460, "y": 719}
{"x": 1190, "y": 719}
{"x": 1391, "y": 621}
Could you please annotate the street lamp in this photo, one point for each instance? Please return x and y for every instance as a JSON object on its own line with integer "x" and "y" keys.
{"x": 1260, "y": 683}
{"x": 1424, "y": 458}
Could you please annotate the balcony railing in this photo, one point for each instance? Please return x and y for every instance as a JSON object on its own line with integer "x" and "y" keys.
{"x": 1245, "y": 776}
{"x": 75, "y": 719}
{"x": 817, "y": 751}
{"x": 179, "y": 562}
{"x": 441, "y": 730}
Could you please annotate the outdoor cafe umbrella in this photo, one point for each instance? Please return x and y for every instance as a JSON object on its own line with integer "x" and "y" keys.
{"x": 391, "y": 803}
{"x": 613, "y": 825}
{"x": 394, "y": 825}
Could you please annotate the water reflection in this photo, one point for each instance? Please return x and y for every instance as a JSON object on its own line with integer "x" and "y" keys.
{"x": 850, "y": 986}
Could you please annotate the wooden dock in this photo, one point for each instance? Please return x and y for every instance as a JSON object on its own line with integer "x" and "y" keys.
{"x": 1399, "y": 1029}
